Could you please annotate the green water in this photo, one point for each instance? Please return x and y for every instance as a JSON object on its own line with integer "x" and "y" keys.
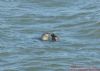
{"x": 76, "y": 22}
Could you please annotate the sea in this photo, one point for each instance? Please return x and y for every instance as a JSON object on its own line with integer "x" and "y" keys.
{"x": 75, "y": 22}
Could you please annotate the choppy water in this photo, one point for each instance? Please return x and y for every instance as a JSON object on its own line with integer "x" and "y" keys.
{"x": 76, "y": 22}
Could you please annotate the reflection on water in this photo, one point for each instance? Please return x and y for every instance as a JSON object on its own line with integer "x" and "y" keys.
{"x": 77, "y": 23}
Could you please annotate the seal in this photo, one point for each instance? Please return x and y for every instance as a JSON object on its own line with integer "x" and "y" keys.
{"x": 45, "y": 36}
{"x": 49, "y": 37}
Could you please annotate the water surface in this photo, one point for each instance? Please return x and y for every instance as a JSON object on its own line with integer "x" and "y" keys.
{"x": 76, "y": 22}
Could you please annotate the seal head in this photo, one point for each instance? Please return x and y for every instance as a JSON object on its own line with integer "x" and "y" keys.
{"x": 54, "y": 37}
